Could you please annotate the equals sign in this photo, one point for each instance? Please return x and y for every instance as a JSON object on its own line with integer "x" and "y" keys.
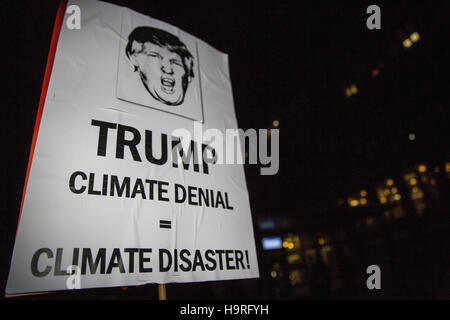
{"x": 165, "y": 224}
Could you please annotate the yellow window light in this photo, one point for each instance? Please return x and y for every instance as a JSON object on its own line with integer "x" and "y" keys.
{"x": 414, "y": 37}
{"x": 447, "y": 167}
{"x": 407, "y": 43}
{"x": 321, "y": 241}
{"x": 422, "y": 168}
{"x": 363, "y": 201}
{"x": 293, "y": 258}
{"x": 413, "y": 181}
{"x": 394, "y": 190}
{"x": 397, "y": 197}
{"x": 389, "y": 182}
{"x": 353, "y": 202}
{"x": 363, "y": 193}
{"x": 296, "y": 241}
{"x": 348, "y": 92}
{"x": 351, "y": 90}
{"x": 276, "y": 123}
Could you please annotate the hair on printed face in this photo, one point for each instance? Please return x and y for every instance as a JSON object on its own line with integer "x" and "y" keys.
{"x": 163, "y": 39}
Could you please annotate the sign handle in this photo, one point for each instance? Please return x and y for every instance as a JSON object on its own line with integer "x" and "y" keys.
{"x": 162, "y": 292}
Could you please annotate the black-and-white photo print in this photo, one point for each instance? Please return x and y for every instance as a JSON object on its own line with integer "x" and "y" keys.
{"x": 158, "y": 67}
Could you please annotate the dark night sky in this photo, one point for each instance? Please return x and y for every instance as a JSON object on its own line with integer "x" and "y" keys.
{"x": 289, "y": 63}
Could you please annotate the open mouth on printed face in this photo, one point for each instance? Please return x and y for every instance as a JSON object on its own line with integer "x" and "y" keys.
{"x": 168, "y": 85}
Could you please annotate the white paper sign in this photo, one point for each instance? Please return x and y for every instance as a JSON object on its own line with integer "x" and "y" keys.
{"x": 106, "y": 198}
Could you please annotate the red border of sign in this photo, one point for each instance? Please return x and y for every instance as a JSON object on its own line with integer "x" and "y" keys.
{"x": 48, "y": 71}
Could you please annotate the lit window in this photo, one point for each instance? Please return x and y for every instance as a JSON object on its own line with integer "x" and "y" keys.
{"x": 388, "y": 193}
{"x": 417, "y": 196}
{"x": 353, "y": 202}
{"x": 288, "y": 244}
{"x": 351, "y": 90}
{"x": 348, "y": 92}
{"x": 414, "y": 37}
{"x": 325, "y": 253}
{"x": 407, "y": 43}
{"x": 293, "y": 258}
{"x": 422, "y": 168}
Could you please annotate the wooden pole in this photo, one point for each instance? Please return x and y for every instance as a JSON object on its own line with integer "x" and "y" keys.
{"x": 162, "y": 292}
